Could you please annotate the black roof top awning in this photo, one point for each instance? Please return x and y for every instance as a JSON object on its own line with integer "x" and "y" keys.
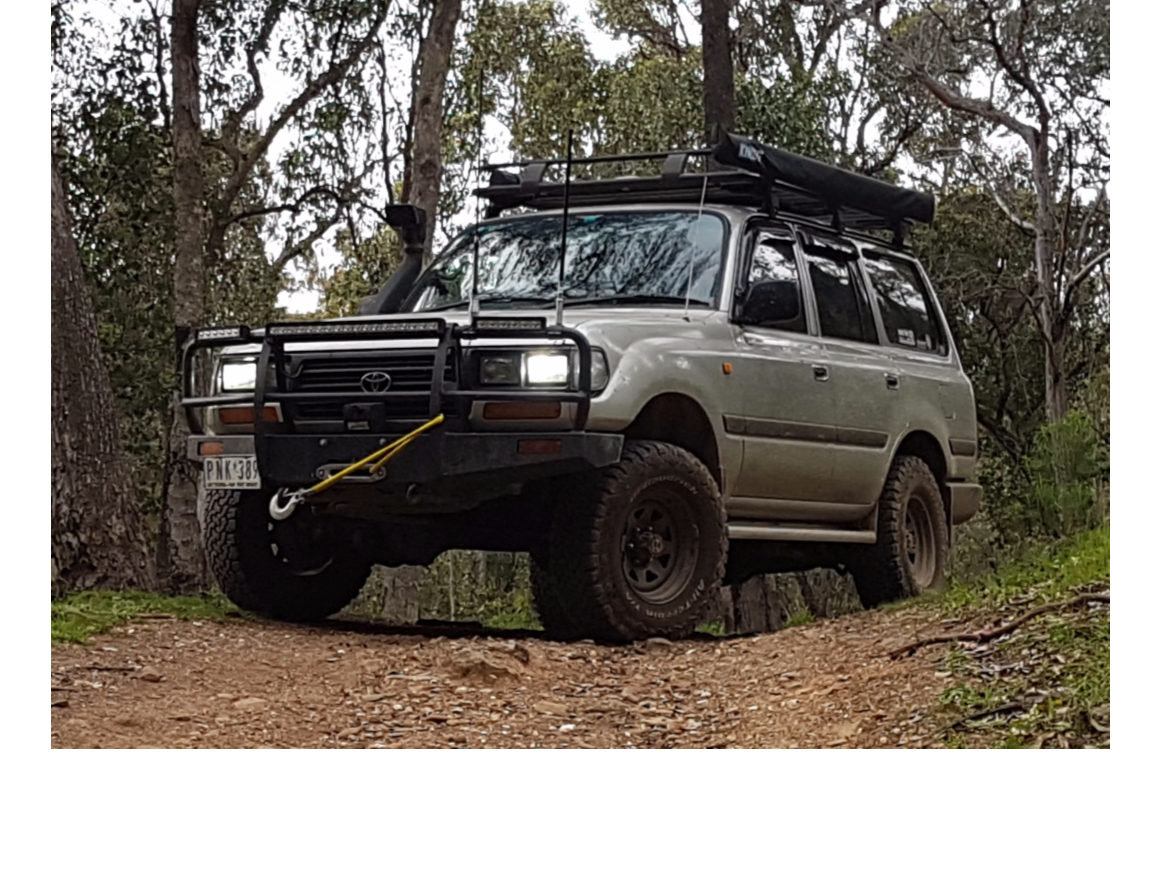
{"x": 837, "y": 187}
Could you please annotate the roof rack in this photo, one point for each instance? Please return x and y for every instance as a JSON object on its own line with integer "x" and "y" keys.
{"x": 750, "y": 174}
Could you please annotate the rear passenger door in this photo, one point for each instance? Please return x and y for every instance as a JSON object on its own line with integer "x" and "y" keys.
{"x": 865, "y": 381}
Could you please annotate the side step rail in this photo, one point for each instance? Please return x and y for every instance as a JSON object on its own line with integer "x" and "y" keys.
{"x": 759, "y": 530}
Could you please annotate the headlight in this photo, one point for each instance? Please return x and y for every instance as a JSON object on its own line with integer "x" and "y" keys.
{"x": 599, "y": 369}
{"x": 539, "y": 368}
{"x": 501, "y": 369}
{"x": 547, "y": 369}
{"x": 237, "y": 375}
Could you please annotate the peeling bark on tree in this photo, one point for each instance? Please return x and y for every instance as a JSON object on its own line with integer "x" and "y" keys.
{"x": 97, "y": 535}
{"x": 423, "y": 185}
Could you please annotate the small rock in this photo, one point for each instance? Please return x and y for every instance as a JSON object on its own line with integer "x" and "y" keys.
{"x": 149, "y": 674}
{"x": 250, "y": 703}
{"x": 550, "y": 708}
{"x": 347, "y": 732}
{"x": 512, "y": 648}
{"x": 658, "y": 644}
{"x": 485, "y": 668}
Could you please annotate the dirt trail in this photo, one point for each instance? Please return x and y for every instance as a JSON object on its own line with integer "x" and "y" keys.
{"x": 167, "y": 683}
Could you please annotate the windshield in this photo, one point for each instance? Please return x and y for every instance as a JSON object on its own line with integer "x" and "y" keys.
{"x": 648, "y": 258}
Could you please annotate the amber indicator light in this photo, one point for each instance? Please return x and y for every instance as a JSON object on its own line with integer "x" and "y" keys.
{"x": 496, "y": 410}
{"x": 539, "y": 447}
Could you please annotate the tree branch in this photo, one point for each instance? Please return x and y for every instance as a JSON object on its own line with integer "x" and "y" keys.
{"x": 1023, "y": 79}
{"x": 1004, "y": 439}
{"x": 1002, "y": 630}
{"x": 294, "y": 249}
{"x": 947, "y": 95}
{"x": 1014, "y": 218}
{"x": 285, "y": 207}
{"x": 1084, "y": 271}
{"x": 250, "y": 158}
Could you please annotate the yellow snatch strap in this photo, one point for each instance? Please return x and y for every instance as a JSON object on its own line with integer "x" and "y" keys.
{"x": 378, "y": 458}
{"x": 283, "y": 504}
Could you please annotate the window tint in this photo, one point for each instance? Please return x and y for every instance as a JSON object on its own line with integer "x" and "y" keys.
{"x": 840, "y": 301}
{"x": 909, "y": 318}
{"x": 773, "y": 297}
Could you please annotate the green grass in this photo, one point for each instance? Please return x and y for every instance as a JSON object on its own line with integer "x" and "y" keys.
{"x": 512, "y": 620}
{"x": 712, "y": 628}
{"x": 1056, "y": 666}
{"x": 801, "y": 616}
{"x": 1055, "y": 572}
{"x": 79, "y": 616}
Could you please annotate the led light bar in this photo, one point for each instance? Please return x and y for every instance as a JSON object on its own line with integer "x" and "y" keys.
{"x": 484, "y": 325}
{"x": 213, "y": 333}
{"x": 342, "y": 328}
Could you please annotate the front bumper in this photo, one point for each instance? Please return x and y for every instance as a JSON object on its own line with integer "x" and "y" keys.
{"x": 300, "y": 460}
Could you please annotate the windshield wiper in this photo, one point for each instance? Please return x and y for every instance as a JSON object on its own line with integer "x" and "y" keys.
{"x": 534, "y": 302}
{"x": 633, "y": 300}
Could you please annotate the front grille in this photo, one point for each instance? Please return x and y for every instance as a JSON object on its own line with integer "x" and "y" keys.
{"x": 342, "y": 373}
{"x": 410, "y": 372}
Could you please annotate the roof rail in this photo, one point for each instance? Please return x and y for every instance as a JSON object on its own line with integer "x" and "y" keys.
{"x": 737, "y": 171}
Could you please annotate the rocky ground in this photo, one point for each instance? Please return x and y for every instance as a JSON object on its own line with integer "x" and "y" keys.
{"x": 165, "y": 683}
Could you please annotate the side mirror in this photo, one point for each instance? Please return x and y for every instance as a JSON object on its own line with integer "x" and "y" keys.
{"x": 772, "y": 304}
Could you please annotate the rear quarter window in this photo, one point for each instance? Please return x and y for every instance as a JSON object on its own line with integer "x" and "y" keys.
{"x": 907, "y": 312}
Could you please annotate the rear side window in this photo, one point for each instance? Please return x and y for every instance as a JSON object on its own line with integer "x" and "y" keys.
{"x": 909, "y": 317}
{"x": 841, "y": 305}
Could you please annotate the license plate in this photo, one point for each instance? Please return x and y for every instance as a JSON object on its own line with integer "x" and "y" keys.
{"x": 231, "y": 471}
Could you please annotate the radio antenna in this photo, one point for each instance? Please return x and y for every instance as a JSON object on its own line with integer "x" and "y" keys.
{"x": 474, "y": 301}
{"x": 690, "y": 274}
{"x": 566, "y": 228}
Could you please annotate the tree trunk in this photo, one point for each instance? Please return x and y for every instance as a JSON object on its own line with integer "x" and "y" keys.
{"x": 1048, "y": 302}
{"x": 97, "y": 535}
{"x": 180, "y": 559}
{"x": 428, "y": 114}
{"x": 719, "y": 93}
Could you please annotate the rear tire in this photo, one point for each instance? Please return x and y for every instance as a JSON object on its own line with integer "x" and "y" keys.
{"x": 637, "y": 549}
{"x": 913, "y": 541}
{"x": 243, "y": 556}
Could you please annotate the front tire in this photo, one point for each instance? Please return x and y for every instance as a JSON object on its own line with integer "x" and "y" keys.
{"x": 637, "y": 549}
{"x": 243, "y": 554}
{"x": 909, "y": 558}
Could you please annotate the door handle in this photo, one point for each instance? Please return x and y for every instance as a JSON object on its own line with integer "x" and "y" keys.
{"x": 892, "y": 381}
{"x": 820, "y": 372}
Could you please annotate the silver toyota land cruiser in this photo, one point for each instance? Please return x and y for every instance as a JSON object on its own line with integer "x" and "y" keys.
{"x": 654, "y": 384}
